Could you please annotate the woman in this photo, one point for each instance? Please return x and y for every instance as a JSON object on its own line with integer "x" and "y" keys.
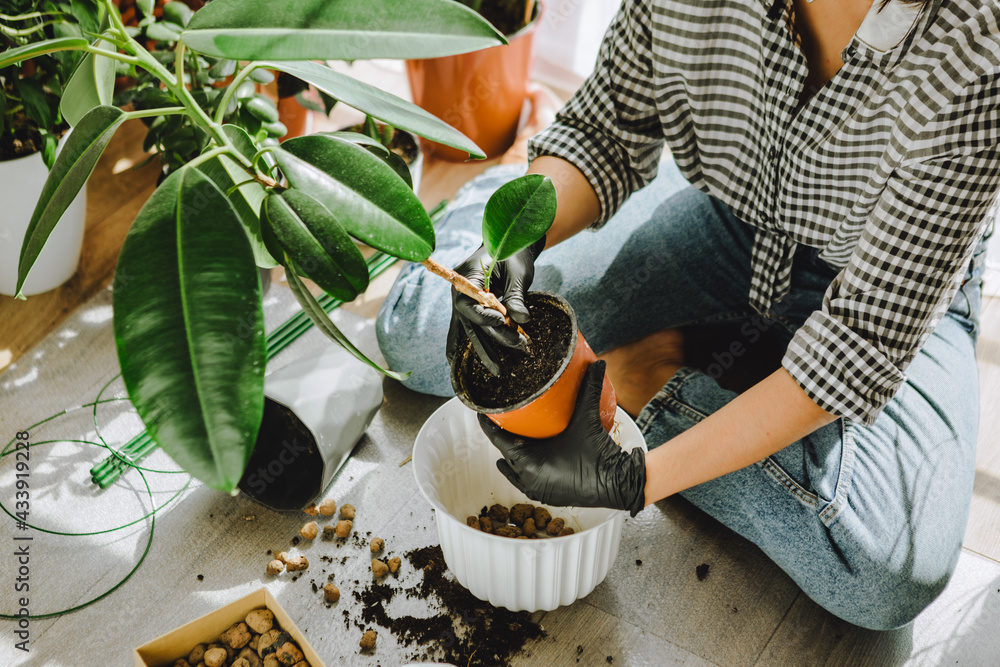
{"x": 842, "y": 157}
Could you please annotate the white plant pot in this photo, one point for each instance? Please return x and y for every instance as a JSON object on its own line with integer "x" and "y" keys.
{"x": 455, "y": 468}
{"x": 21, "y": 182}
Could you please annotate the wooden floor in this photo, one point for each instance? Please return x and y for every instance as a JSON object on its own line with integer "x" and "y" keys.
{"x": 634, "y": 615}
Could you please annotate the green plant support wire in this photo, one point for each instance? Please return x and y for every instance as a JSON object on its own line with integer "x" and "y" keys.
{"x": 105, "y": 473}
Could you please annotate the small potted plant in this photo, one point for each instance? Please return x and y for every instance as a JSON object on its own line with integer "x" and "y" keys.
{"x": 188, "y": 319}
{"x": 482, "y": 93}
{"x": 31, "y": 128}
{"x": 534, "y": 391}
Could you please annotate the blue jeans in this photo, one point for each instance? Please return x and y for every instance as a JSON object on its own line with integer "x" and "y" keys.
{"x": 868, "y": 520}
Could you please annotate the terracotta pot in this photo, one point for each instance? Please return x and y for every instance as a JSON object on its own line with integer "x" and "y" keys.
{"x": 547, "y": 411}
{"x": 294, "y": 116}
{"x": 480, "y": 94}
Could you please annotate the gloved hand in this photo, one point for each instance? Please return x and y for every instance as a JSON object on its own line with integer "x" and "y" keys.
{"x": 485, "y": 327}
{"x": 582, "y": 466}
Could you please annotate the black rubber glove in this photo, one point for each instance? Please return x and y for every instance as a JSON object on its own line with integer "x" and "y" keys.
{"x": 485, "y": 327}
{"x": 582, "y": 466}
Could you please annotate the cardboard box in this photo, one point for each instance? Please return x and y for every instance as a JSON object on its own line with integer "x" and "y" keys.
{"x": 164, "y": 650}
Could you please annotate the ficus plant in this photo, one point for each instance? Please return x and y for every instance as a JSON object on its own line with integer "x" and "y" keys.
{"x": 188, "y": 320}
{"x": 31, "y": 119}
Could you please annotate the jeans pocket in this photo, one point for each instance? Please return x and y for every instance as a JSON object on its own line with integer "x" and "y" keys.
{"x": 817, "y": 469}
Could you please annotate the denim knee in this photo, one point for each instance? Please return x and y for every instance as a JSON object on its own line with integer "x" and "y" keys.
{"x": 412, "y": 327}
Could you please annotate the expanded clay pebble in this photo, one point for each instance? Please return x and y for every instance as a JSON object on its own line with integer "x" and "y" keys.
{"x": 241, "y": 662}
{"x": 237, "y": 636}
{"x": 498, "y": 513}
{"x": 472, "y": 522}
{"x": 508, "y": 531}
{"x": 328, "y": 507}
{"x": 379, "y": 569}
{"x": 331, "y": 593}
{"x": 296, "y": 563}
{"x": 311, "y": 509}
{"x": 288, "y": 654}
{"x": 347, "y": 512}
{"x": 309, "y": 531}
{"x": 542, "y": 517}
{"x": 271, "y": 661}
{"x": 344, "y": 526}
{"x": 197, "y": 654}
{"x": 377, "y": 544}
{"x": 555, "y": 526}
{"x": 329, "y": 532}
{"x": 529, "y": 527}
{"x": 368, "y": 640}
{"x": 521, "y": 512}
{"x": 251, "y": 657}
{"x": 215, "y": 657}
{"x": 181, "y": 662}
{"x": 282, "y": 556}
{"x": 566, "y": 531}
{"x": 394, "y": 564}
{"x": 260, "y": 620}
{"x": 274, "y": 567}
{"x": 485, "y": 524}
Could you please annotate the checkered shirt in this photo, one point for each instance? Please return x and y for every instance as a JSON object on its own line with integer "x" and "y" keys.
{"x": 890, "y": 168}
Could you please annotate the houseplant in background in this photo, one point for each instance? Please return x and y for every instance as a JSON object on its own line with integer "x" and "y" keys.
{"x": 31, "y": 126}
{"x": 187, "y": 303}
{"x": 482, "y": 93}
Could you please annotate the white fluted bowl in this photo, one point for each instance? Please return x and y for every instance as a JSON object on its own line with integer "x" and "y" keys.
{"x": 455, "y": 467}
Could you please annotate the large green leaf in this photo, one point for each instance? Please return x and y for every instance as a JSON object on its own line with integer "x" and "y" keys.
{"x": 40, "y": 48}
{"x": 71, "y": 170}
{"x": 379, "y": 104}
{"x": 337, "y": 29}
{"x": 316, "y": 242}
{"x": 518, "y": 214}
{"x": 365, "y": 195}
{"x": 189, "y": 328}
{"x": 92, "y": 85}
{"x": 246, "y": 199}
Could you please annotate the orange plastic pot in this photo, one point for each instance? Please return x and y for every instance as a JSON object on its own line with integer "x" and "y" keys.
{"x": 480, "y": 94}
{"x": 547, "y": 411}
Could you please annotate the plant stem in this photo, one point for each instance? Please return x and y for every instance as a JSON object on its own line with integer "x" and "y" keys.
{"x": 482, "y": 297}
{"x": 152, "y": 113}
{"x": 208, "y": 155}
{"x": 113, "y": 55}
{"x": 227, "y": 95}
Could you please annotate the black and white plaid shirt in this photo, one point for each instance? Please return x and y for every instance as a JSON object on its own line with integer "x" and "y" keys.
{"x": 890, "y": 168}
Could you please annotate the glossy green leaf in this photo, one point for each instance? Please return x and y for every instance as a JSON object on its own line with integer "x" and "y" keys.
{"x": 40, "y": 48}
{"x": 317, "y": 243}
{"x": 323, "y": 322}
{"x": 379, "y": 104}
{"x": 71, "y": 170}
{"x": 36, "y": 102}
{"x": 189, "y": 328}
{"x": 337, "y": 29}
{"x": 360, "y": 139}
{"x": 91, "y": 85}
{"x": 361, "y": 191}
{"x": 177, "y": 12}
{"x": 86, "y": 12}
{"x": 518, "y": 214}
{"x": 146, "y": 6}
{"x": 163, "y": 32}
{"x": 246, "y": 200}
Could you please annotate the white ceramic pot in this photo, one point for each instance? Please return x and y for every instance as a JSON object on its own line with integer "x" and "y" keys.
{"x": 455, "y": 468}
{"x": 21, "y": 182}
